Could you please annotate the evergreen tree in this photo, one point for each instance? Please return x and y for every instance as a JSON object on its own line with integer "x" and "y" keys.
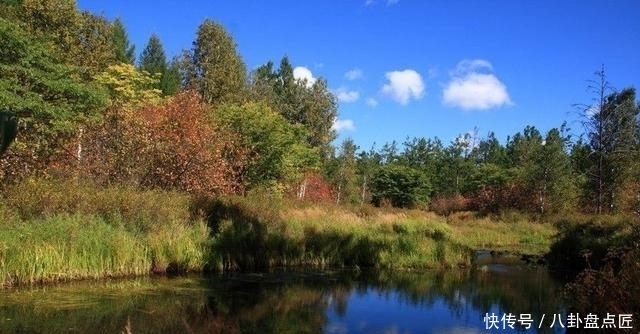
{"x": 490, "y": 151}
{"x": 552, "y": 177}
{"x": 400, "y": 186}
{"x": 214, "y": 66}
{"x": 312, "y": 106}
{"x": 125, "y": 51}
{"x": 152, "y": 58}
{"x": 154, "y": 61}
{"x": 44, "y": 93}
{"x": 611, "y": 124}
{"x": 171, "y": 81}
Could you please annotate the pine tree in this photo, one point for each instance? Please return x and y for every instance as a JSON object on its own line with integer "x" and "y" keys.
{"x": 171, "y": 80}
{"x": 346, "y": 173}
{"x": 125, "y": 51}
{"x": 612, "y": 129}
{"x": 555, "y": 182}
{"x": 312, "y": 106}
{"x": 152, "y": 58}
{"x": 214, "y": 66}
{"x": 154, "y": 61}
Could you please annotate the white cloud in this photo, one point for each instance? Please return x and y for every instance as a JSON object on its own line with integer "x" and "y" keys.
{"x": 343, "y": 125}
{"x": 302, "y": 73}
{"x": 389, "y": 2}
{"x": 473, "y": 86}
{"x": 347, "y": 96}
{"x": 371, "y": 102}
{"x": 471, "y": 65}
{"x": 353, "y": 74}
{"x": 403, "y": 86}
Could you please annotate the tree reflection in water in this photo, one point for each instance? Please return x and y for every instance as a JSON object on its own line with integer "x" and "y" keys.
{"x": 288, "y": 302}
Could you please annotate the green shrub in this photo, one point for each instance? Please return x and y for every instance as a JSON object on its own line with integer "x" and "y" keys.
{"x": 400, "y": 186}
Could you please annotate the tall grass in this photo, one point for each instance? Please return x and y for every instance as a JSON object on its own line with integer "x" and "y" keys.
{"x": 69, "y": 247}
{"x": 64, "y": 230}
{"x": 254, "y": 232}
{"x": 314, "y": 235}
{"x": 53, "y": 230}
{"x": 511, "y": 232}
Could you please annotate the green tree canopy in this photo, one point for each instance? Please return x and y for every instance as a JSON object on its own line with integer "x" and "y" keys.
{"x": 171, "y": 80}
{"x": 46, "y": 95}
{"x": 152, "y": 58}
{"x": 400, "y": 186}
{"x": 311, "y": 105}
{"x": 125, "y": 51}
{"x": 214, "y": 66}
{"x": 279, "y": 153}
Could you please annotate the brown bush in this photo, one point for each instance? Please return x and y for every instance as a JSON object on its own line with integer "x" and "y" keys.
{"x": 174, "y": 145}
{"x": 446, "y": 205}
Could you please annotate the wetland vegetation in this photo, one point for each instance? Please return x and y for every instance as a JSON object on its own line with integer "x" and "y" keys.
{"x": 112, "y": 167}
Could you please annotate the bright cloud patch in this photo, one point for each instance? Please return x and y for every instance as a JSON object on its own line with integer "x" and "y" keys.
{"x": 347, "y": 96}
{"x": 304, "y": 74}
{"x": 473, "y": 86}
{"x": 354, "y": 74}
{"x": 373, "y": 2}
{"x": 403, "y": 86}
{"x": 343, "y": 125}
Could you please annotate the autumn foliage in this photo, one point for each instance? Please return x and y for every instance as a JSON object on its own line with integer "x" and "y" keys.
{"x": 175, "y": 145}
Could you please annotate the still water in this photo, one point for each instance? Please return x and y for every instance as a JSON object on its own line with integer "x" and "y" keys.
{"x": 345, "y": 301}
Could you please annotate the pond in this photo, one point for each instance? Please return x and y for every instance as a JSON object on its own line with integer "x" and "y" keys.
{"x": 478, "y": 300}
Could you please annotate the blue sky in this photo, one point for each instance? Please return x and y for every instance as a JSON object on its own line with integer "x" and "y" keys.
{"x": 414, "y": 68}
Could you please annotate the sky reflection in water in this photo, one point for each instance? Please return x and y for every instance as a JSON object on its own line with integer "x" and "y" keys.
{"x": 453, "y": 301}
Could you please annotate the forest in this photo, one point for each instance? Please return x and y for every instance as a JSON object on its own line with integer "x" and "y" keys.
{"x": 87, "y": 107}
{"x": 136, "y": 146}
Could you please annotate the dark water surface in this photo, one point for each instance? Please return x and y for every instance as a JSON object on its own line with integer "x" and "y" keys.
{"x": 347, "y": 301}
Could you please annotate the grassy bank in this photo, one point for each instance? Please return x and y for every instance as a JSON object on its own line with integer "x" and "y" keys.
{"x": 66, "y": 230}
{"x": 58, "y": 231}
{"x": 323, "y": 236}
{"x": 258, "y": 233}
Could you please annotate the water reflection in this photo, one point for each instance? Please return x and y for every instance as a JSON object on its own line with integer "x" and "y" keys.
{"x": 452, "y": 301}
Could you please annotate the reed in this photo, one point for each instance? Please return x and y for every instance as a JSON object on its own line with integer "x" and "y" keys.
{"x": 67, "y": 230}
{"x": 59, "y": 230}
{"x": 315, "y": 235}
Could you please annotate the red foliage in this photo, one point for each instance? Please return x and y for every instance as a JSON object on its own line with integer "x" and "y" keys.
{"x": 315, "y": 188}
{"x": 175, "y": 145}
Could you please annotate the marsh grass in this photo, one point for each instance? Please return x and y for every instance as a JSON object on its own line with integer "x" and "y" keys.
{"x": 60, "y": 230}
{"x": 326, "y": 235}
{"x": 67, "y": 247}
{"x": 67, "y": 230}
{"x": 521, "y": 236}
